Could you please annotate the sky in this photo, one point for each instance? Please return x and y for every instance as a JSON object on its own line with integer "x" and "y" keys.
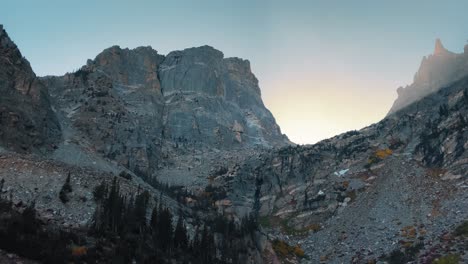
{"x": 324, "y": 67}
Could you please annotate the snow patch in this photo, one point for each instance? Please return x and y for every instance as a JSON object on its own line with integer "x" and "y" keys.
{"x": 341, "y": 172}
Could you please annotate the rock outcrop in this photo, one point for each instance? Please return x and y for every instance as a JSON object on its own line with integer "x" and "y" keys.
{"x": 215, "y": 101}
{"x": 436, "y": 71}
{"x": 27, "y": 122}
{"x": 358, "y": 190}
{"x": 139, "y": 108}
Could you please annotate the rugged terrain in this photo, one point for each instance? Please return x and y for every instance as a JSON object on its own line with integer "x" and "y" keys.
{"x": 190, "y": 128}
{"x": 26, "y": 118}
{"x": 437, "y": 70}
{"x": 352, "y": 196}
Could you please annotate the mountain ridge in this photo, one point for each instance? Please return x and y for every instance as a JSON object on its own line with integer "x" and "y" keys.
{"x": 190, "y": 129}
{"x": 437, "y": 70}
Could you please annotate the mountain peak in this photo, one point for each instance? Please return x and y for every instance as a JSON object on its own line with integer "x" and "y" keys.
{"x": 439, "y": 48}
{"x": 436, "y": 71}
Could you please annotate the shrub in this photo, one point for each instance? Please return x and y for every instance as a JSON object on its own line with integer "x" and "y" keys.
{"x": 383, "y": 153}
{"x": 298, "y": 251}
{"x": 449, "y": 259}
{"x": 377, "y": 156}
{"x": 395, "y": 143}
{"x": 125, "y": 175}
{"x": 443, "y": 110}
{"x": 78, "y": 251}
{"x": 398, "y": 256}
{"x": 264, "y": 221}
{"x": 283, "y": 249}
{"x": 462, "y": 230}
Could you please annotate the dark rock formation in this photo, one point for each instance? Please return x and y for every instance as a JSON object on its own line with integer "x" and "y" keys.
{"x": 26, "y": 119}
{"x": 436, "y": 71}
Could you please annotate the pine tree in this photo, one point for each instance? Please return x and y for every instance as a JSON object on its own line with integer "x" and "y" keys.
{"x": 180, "y": 235}
{"x": 165, "y": 229}
{"x": 100, "y": 191}
{"x": 30, "y": 224}
{"x": 154, "y": 219}
{"x": 66, "y": 188}
{"x": 141, "y": 205}
{"x": 443, "y": 110}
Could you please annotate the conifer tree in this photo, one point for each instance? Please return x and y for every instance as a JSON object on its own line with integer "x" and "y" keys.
{"x": 66, "y": 188}
{"x": 180, "y": 235}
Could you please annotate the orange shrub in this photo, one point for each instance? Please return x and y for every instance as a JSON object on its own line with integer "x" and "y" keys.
{"x": 78, "y": 251}
{"x": 383, "y": 153}
{"x": 283, "y": 249}
{"x": 298, "y": 251}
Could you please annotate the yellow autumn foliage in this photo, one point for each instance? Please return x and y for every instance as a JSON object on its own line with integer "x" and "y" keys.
{"x": 383, "y": 153}
{"x": 283, "y": 249}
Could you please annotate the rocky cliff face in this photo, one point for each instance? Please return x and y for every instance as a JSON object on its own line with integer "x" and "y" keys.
{"x": 223, "y": 98}
{"x": 137, "y": 107}
{"x": 436, "y": 71}
{"x": 26, "y": 119}
{"x": 350, "y": 198}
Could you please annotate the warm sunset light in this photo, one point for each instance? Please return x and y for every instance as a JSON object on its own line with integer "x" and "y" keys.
{"x": 339, "y": 66}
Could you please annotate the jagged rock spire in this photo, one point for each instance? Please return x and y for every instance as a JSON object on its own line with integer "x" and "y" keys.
{"x": 439, "y": 48}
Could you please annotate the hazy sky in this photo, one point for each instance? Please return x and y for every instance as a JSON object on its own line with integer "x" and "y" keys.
{"x": 324, "y": 67}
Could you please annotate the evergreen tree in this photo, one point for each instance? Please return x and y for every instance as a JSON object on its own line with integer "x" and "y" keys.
{"x": 165, "y": 229}
{"x": 100, "y": 191}
{"x": 154, "y": 220}
{"x": 30, "y": 223}
{"x": 180, "y": 235}
{"x": 207, "y": 248}
{"x": 141, "y": 206}
{"x": 443, "y": 110}
{"x": 66, "y": 188}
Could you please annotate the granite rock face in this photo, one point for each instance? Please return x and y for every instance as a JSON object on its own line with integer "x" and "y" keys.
{"x": 215, "y": 101}
{"x": 138, "y": 107}
{"x": 358, "y": 190}
{"x": 436, "y": 71}
{"x": 27, "y": 122}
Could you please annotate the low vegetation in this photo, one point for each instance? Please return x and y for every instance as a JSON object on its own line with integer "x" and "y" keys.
{"x": 121, "y": 232}
{"x": 284, "y": 250}
{"x": 405, "y": 255}
{"x": 378, "y": 156}
{"x": 462, "y": 230}
{"x": 448, "y": 259}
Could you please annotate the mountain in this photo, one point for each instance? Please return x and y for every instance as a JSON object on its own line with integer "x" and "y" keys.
{"x": 27, "y": 121}
{"x": 137, "y": 107}
{"x": 141, "y": 157}
{"x": 355, "y": 197}
{"x": 436, "y": 71}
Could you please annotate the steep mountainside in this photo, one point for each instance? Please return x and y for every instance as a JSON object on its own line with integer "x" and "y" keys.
{"x": 353, "y": 198}
{"x": 141, "y": 109}
{"x": 26, "y": 118}
{"x": 436, "y": 71}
